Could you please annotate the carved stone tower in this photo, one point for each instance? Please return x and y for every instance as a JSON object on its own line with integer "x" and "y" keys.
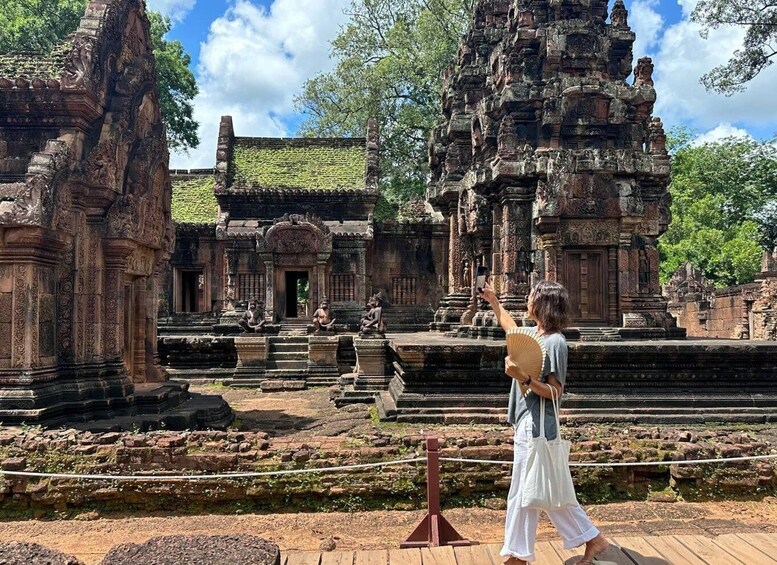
{"x": 549, "y": 164}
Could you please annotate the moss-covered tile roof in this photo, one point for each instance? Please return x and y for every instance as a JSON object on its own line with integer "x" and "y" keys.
{"x": 193, "y": 200}
{"x": 321, "y": 164}
{"x": 36, "y": 65}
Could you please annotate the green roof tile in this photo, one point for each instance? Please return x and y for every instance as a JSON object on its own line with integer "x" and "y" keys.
{"x": 299, "y": 163}
{"x": 194, "y": 201}
{"x": 36, "y": 65}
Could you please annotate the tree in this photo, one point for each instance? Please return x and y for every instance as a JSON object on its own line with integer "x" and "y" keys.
{"x": 759, "y": 18}
{"x": 38, "y": 25}
{"x": 723, "y": 195}
{"x": 390, "y": 59}
{"x": 177, "y": 86}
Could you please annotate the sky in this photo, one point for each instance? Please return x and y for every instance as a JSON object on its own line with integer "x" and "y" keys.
{"x": 252, "y": 57}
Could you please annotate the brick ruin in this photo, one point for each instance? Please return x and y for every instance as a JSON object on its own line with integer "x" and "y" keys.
{"x": 550, "y": 165}
{"x": 85, "y": 223}
{"x": 746, "y": 311}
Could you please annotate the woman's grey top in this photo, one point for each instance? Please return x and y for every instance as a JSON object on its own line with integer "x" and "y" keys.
{"x": 520, "y": 405}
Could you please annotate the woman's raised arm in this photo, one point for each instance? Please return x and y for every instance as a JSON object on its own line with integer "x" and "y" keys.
{"x": 502, "y": 316}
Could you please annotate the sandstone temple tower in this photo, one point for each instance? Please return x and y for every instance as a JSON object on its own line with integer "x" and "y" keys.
{"x": 85, "y": 222}
{"x": 550, "y": 165}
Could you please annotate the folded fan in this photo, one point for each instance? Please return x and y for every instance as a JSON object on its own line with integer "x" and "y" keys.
{"x": 526, "y": 350}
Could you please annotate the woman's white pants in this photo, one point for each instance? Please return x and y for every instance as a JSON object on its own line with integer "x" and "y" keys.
{"x": 572, "y": 524}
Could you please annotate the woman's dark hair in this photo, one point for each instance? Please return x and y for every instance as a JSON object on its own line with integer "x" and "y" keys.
{"x": 550, "y": 306}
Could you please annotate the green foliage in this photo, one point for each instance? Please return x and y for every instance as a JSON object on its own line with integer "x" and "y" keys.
{"x": 315, "y": 166}
{"x": 390, "y": 58}
{"x": 385, "y": 210}
{"x": 723, "y": 197}
{"x": 41, "y": 26}
{"x": 37, "y": 25}
{"x": 177, "y": 86}
{"x": 759, "y": 18}
{"x": 194, "y": 201}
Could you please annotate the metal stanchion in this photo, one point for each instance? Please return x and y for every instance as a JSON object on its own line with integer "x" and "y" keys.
{"x": 434, "y": 530}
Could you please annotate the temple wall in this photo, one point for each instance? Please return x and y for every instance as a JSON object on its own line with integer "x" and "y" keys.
{"x": 726, "y": 314}
{"x": 409, "y": 267}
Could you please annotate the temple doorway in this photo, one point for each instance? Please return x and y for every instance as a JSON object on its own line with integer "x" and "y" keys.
{"x": 585, "y": 276}
{"x": 297, "y": 293}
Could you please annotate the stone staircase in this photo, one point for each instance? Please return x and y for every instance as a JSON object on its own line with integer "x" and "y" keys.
{"x": 294, "y": 327}
{"x": 287, "y": 358}
{"x": 598, "y": 334}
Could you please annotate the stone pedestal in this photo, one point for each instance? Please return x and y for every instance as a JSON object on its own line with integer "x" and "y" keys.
{"x": 322, "y": 360}
{"x": 251, "y": 360}
{"x": 372, "y": 364}
{"x": 373, "y": 373}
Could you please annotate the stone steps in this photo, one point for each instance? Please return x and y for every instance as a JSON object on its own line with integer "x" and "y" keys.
{"x": 290, "y": 365}
{"x": 598, "y": 334}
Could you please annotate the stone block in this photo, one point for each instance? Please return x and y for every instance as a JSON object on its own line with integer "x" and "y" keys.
{"x": 372, "y": 364}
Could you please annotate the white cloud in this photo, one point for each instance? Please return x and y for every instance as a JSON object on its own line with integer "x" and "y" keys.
{"x": 254, "y": 62}
{"x": 646, "y": 23}
{"x": 175, "y": 9}
{"x": 721, "y": 131}
{"x": 683, "y": 56}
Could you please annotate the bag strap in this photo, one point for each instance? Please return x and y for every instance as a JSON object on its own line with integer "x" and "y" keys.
{"x": 556, "y": 410}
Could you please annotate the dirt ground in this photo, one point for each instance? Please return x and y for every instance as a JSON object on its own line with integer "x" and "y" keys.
{"x": 89, "y": 539}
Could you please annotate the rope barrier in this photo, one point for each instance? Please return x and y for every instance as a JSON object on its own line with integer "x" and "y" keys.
{"x": 625, "y": 463}
{"x": 248, "y": 475}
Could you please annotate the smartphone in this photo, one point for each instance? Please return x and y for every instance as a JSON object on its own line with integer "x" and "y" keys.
{"x": 482, "y": 277}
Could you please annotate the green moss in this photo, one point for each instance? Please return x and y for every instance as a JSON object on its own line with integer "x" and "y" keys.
{"x": 311, "y": 167}
{"x": 194, "y": 201}
{"x": 36, "y": 65}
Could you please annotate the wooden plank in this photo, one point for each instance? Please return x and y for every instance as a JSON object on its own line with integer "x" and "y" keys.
{"x": 493, "y": 551}
{"x": 544, "y": 554}
{"x": 303, "y": 559}
{"x": 744, "y": 551}
{"x": 640, "y": 551}
{"x": 767, "y": 543}
{"x": 612, "y": 553}
{"x": 438, "y": 555}
{"x": 337, "y": 558}
{"x": 473, "y": 555}
{"x": 404, "y": 557}
{"x": 707, "y": 550}
{"x": 378, "y": 557}
{"x": 674, "y": 551}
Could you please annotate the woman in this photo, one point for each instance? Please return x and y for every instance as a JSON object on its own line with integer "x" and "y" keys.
{"x": 548, "y": 305}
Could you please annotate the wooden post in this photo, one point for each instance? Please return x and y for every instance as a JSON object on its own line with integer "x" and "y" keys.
{"x": 434, "y": 530}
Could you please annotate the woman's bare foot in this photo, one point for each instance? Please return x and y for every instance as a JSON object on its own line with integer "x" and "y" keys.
{"x": 514, "y": 561}
{"x": 593, "y": 548}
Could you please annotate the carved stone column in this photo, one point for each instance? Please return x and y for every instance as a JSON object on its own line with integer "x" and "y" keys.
{"x": 321, "y": 285}
{"x": 269, "y": 299}
{"x": 454, "y": 251}
{"x": 361, "y": 277}
{"x": 139, "y": 326}
{"x": 516, "y": 257}
{"x": 231, "y": 263}
{"x": 116, "y": 253}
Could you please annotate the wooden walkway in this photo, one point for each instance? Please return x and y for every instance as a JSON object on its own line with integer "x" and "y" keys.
{"x": 730, "y": 549}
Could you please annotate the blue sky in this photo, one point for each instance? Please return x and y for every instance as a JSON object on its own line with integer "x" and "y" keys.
{"x": 251, "y": 57}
